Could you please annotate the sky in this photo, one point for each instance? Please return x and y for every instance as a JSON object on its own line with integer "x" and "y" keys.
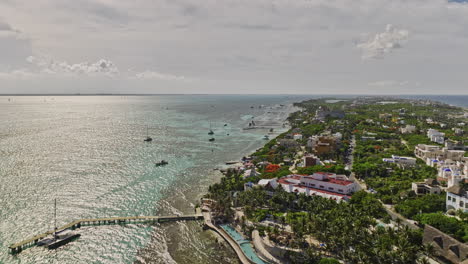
{"x": 234, "y": 46}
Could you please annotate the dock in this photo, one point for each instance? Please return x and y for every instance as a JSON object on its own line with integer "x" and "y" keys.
{"x": 18, "y": 247}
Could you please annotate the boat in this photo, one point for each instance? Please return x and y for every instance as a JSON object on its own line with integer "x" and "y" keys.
{"x": 58, "y": 238}
{"x": 148, "y": 138}
{"x": 161, "y": 163}
{"x": 211, "y": 131}
{"x": 271, "y": 130}
{"x": 266, "y": 137}
{"x": 225, "y": 124}
{"x": 211, "y": 139}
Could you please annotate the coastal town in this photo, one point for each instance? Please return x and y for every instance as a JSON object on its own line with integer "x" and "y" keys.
{"x": 363, "y": 180}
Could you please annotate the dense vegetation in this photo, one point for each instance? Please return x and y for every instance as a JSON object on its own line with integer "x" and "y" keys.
{"x": 350, "y": 231}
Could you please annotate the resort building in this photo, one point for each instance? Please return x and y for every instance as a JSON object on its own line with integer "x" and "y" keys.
{"x": 328, "y": 185}
{"x": 433, "y": 155}
{"x": 457, "y": 198}
{"x": 429, "y": 186}
{"x": 453, "y": 173}
{"x": 401, "y": 161}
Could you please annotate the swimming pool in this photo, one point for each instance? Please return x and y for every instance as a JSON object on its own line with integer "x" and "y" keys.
{"x": 243, "y": 243}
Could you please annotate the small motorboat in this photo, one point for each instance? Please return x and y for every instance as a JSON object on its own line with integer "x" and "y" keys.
{"x": 211, "y": 132}
{"x": 211, "y": 139}
{"x": 161, "y": 163}
{"x": 266, "y": 137}
{"x": 225, "y": 124}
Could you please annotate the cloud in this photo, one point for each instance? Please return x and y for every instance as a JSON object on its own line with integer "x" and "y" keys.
{"x": 393, "y": 83}
{"x": 51, "y": 66}
{"x": 47, "y": 67}
{"x": 159, "y": 76}
{"x": 308, "y": 46}
{"x": 383, "y": 43}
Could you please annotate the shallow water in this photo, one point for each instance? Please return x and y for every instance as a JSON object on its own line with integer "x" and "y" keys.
{"x": 88, "y": 153}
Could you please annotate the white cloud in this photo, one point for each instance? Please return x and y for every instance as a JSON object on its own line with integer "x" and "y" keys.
{"x": 47, "y": 67}
{"x": 383, "y": 43}
{"x": 305, "y": 46}
{"x": 51, "y": 66}
{"x": 159, "y": 76}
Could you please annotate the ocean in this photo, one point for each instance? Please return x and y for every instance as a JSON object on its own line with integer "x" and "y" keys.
{"x": 88, "y": 153}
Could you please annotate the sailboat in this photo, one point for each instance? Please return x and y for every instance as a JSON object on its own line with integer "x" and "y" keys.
{"x": 58, "y": 238}
{"x": 148, "y": 138}
{"x": 211, "y": 131}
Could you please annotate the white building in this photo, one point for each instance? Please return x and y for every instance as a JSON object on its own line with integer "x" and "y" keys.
{"x": 328, "y": 185}
{"x": 403, "y": 161}
{"x": 453, "y": 173}
{"x": 433, "y": 155}
{"x": 436, "y": 136}
{"x": 408, "y": 129}
{"x": 297, "y": 136}
{"x": 457, "y": 198}
{"x": 429, "y": 186}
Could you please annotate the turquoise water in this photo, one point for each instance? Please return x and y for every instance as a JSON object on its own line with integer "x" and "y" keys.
{"x": 88, "y": 153}
{"x": 245, "y": 244}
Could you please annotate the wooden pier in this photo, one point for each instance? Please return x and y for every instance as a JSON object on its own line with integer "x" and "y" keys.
{"x": 18, "y": 247}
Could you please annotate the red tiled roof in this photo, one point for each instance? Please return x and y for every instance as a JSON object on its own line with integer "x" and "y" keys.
{"x": 340, "y": 182}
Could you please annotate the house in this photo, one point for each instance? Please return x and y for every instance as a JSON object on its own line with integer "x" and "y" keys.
{"x": 367, "y": 138}
{"x": 385, "y": 116}
{"x": 268, "y": 183}
{"x": 457, "y": 198}
{"x": 251, "y": 173}
{"x": 401, "y": 161}
{"x": 288, "y": 143}
{"x": 436, "y": 136}
{"x": 328, "y": 185}
{"x": 454, "y": 145}
{"x": 311, "y": 160}
{"x": 408, "y": 129}
{"x": 458, "y": 131}
{"x": 429, "y": 186}
{"x": 322, "y": 144}
{"x": 297, "y": 136}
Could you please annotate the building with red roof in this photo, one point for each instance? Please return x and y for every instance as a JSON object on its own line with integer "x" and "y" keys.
{"x": 328, "y": 185}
